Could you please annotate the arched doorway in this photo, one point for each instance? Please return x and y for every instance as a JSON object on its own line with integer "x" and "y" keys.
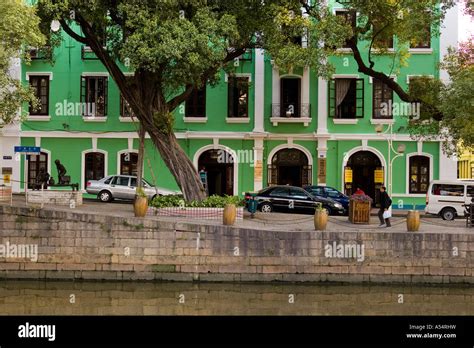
{"x": 219, "y": 167}
{"x": 366, "y": 171}
{"x": 36, "y": 164}
{"x": 94, "y": 168}
{"x": 289, "y": 167}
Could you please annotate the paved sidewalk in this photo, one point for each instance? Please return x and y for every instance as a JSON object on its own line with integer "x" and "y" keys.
{"x": 276, "y": 221}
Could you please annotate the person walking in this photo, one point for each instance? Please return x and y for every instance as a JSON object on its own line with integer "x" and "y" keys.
{"x": 385, "y": 203}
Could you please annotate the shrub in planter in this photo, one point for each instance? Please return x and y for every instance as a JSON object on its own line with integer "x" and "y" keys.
{"x": 320, "y": 218}
{"x": 359, "y": 209}
{"x": 213, "y": 201}
{"x": 140, "y": 205}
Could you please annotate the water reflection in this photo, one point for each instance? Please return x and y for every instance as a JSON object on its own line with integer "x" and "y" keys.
{"x": 122, "y": 298}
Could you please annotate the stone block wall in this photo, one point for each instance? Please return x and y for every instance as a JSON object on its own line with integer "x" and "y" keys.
{"x": 73, "y": 245}
{"x": 56, "y": 197}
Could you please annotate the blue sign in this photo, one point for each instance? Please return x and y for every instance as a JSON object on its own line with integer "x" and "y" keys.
{"x": 27, "y": 149}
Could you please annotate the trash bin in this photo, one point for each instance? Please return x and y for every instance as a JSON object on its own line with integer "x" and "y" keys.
{"x": 251, "y": 203}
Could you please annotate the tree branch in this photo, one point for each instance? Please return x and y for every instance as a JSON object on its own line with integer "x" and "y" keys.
{"x": 72, "y": 34}
{"x": 173, "y": 103}
{"x": 387, "y": 80}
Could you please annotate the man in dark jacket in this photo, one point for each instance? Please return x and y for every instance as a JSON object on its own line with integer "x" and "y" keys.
{"x": 385, "y": 203}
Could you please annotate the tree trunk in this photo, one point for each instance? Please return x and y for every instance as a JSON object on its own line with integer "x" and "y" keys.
{"x": 179, "y": 165}
{"x": 141, "y": 155}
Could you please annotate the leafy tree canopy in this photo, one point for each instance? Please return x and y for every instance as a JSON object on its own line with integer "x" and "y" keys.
{"x": 19, "y": 27}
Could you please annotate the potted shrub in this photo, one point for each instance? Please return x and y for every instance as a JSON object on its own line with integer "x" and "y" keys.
{"x": 413, "y": 220}
{"x": 320, "y": 218}
{"x": 140, "y": 205}
{"x": 359, "y": 209}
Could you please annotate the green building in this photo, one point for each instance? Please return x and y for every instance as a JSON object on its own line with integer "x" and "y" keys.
{"x": 275, "y": 128}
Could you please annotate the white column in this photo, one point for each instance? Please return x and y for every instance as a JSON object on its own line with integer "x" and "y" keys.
{"x": 322, "y": 106}
{"x": 448, "y": 166}
{"x": 449, "y": 35}
{"x": 322, "y": 154}
{"x": 305, "y": 82}
{"x": 259, "y": 90}
{"x": 258, "y": 165}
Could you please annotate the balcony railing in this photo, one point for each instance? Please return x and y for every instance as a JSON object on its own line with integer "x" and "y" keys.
{"x": 289, "y": 110}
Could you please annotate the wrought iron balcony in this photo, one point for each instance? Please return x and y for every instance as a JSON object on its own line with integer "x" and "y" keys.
{"x": 289, "y": 110}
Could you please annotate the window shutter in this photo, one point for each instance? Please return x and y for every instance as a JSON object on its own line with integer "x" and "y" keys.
{"x": 106, "y": 81}
{"x": 360, "y": 98}
{"x": 230, "y": 96}
{"x": 332, "y": 98}
{"x": 272, "y": 175}
{"x": 306, "y": 177}
{"x": 83, "y": 95}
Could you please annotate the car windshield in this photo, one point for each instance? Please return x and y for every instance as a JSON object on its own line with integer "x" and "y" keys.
{"x": 145, "y": 183}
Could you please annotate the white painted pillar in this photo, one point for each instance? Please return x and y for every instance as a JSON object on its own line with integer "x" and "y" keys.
{"x": 259, "y": 125}
{"x": 448, "y": 166}
{"x": 449, "y": 36}
{"x": 322, "y": 107}
{"x": 322, "y": 155}
{"x": 258, "y": 164}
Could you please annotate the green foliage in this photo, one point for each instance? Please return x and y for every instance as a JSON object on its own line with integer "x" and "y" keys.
{"x": 140, "y": 192}
{"x": 19, "y": 28}
{"x": 213, "y": 201}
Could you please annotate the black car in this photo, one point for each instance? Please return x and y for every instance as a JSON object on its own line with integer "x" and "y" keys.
{"x": 293, "y": 199}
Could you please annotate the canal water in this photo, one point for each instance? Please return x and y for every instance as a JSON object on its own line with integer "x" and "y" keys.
{"x": 143, "y": 298}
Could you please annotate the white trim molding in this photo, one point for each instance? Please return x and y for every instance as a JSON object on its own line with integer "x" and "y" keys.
{"x": 249, "y": 75}
{"x": 83, "y": 164}
{"x": 345, "y": 76}
{"x": 420, "y": 51}
{"x": 235, "y": 165}
{"x": 92, "y": 74}
{"x": 407, "y": 171}
{"x": 292, "y": 146}
{"x": 194, "y": 119}
{"x": 382, "y": 121}
{"x": 237, "y": 119}
{"x": 305, "y": 120}
{"x": 94, "y": 118}
{"x": 39, "y": 73}
{"x": 345, "y": 120}
{"x": 128, "y": 119}
{"x": 376, "y": 152}
{"x": 38, "y": 118}
{"x": 119, "y": 154}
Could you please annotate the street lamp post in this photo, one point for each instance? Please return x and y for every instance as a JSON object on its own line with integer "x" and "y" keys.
{"x": 400, "y": 151}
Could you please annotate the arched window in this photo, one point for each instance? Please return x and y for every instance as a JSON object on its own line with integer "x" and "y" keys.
{"x": 419, "y": 174}
{"x": 128, "y": 163}
{"x": 94, "y": 168}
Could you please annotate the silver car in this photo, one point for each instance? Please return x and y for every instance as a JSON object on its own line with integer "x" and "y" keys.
{"x": 123, "y": 187}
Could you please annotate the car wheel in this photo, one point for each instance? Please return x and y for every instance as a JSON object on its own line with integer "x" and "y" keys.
{"x": 266, "y": 208}
{"x": 448, "y": 214}
{"x": 105, "y": 196}
{"x": 329, "y": 210}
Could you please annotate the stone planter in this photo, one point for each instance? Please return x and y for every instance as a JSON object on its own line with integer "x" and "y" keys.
{"x": 413, "y": 221}
{"x": 140, "y": 206}
{"x": 359, "y": 212}
{"x": 229, "y": 214}
{"x": 55, "y": 197}
{"x": 320, "y": 219}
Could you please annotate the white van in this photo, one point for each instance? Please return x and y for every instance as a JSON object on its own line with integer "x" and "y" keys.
{"x": 446, "y": 198}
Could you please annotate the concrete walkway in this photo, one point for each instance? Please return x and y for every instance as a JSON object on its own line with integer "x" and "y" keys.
{"x": 278, "y": 221}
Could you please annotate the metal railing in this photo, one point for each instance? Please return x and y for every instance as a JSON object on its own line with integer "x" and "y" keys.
{"x": 290, "y": 110}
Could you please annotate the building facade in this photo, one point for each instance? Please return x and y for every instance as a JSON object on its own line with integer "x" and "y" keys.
{"x": 256, "y": 127}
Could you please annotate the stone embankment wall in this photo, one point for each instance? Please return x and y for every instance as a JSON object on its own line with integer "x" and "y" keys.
{"x": 73, "y": 245}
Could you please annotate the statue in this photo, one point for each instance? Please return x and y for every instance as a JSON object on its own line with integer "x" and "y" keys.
{"x": 42, "y": 179}
{"x": 63, "y": 179}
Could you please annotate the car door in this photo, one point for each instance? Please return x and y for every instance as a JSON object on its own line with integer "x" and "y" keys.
{"x": 302, "y": 201}
{"x": 122, "y": 189}
{"x": 279, "y": 197}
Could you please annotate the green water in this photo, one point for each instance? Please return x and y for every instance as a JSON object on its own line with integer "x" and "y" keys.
{"x": 123, "y": 298}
